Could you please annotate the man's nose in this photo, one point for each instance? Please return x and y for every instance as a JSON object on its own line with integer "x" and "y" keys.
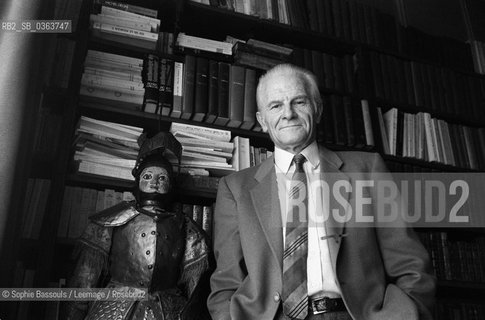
{"x": 288, "y": 111}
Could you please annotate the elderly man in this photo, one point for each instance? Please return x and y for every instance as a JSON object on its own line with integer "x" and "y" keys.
{"x": 273, "y": 263}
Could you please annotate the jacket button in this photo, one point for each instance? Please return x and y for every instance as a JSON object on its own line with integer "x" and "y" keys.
{"x": 276, "y": 297}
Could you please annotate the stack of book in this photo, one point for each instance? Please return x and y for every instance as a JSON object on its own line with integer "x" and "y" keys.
{"x": 204, "y": 148}
{"x": 197, "y": 43}
{"x": 106, "y": 148}
{"x": 113, "y": 79}
{"x": 260, "y": 54}
{"x": 125, "y": 23}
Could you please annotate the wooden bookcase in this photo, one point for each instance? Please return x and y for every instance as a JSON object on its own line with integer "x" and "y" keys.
{"x": 48, "y": 254}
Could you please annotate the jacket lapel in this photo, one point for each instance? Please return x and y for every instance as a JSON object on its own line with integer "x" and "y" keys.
{"x": 267, "y": 207}
{"x": 330, "y": 173}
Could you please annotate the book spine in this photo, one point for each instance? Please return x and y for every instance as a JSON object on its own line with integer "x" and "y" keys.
{"x": 177, "y": 89}
{"x": 212, "y": 108}
{"x": 189, "y": 87}
{"x": 223, "y": 99}
{"x": 124, "y": 31}
{"x": 128, "y": 7}
{"x": 250, "y": 107}
{"x": 150, "y": 101}
{"x": 236, "y": 96}
{"x": 201, "y": 89}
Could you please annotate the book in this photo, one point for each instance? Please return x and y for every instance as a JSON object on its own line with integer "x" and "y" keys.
{"x": 112, "y": 96}
{"x": 100, "y": 169}
{"x": 119, "y": 21}
{"x": 206, "y": 143}
{"x": 223, "y": 99}
{"x": 201, "y": 89}
{"x": 236, "y": 96}
{"x": 202, "y": 132}
{"x": 166, "y": 81}
{"x": 250, "y": 105}
{"x": 383, "y": 131}
{"x": 178, "y": 92}
{"x": 125, "y": 31}
{"x": 184, "y": 40}
{"x": 151, "y": 76}
{"x": 391, "y": 124}
{"x": 241, "y": 153}
{"x": 188, "y": 87}
{"x": 369, "y": 134}
{"x": 213, "y": 92}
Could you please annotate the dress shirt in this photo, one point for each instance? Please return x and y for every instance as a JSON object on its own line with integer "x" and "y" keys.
{"x": 321, "y": 280}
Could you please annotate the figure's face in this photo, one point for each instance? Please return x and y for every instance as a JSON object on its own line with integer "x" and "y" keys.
{"x": 287, "y": 112}
{"x": 154, "y": 180}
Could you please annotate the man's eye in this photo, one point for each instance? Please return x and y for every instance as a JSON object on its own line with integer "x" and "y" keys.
{"x": 300, "y": 101}
{"x": 274, "y": 106}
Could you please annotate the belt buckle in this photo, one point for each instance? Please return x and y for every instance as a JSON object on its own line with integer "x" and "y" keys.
{"x": 320, "y": 305}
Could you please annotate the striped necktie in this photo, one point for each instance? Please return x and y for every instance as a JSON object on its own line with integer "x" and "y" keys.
{"x": 295, "y": 299}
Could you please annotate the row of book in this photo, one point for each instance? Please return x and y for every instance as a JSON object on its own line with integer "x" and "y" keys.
{"x": 432, "y": 88}
{"x": 478, "y": 54}
{"x": 456, "y": 310}
{"x": 349, "y": 19}
{"x": 105, "y": 148}
{"x": 202, "y": 214}
{"x": 355, "y": 21}
{"x": 427, "y": 138}
{"x": 79, "y": 203}
{"x": 346, "y": 122}
{"x": 35, "y": 204}
{"x": 333, "y": 72}
{"x": 456, "y": 259}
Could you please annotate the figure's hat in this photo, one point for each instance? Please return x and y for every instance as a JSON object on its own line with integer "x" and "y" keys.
{"x": 162, "y": 145}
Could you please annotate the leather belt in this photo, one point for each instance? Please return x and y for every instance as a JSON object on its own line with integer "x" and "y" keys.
{"x": 326, "y": 304}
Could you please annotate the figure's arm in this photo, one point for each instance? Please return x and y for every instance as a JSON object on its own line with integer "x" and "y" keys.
{"x": 406, "y": 260}
{"x": 228, "y": 254}
{"x": 91, "y": 257}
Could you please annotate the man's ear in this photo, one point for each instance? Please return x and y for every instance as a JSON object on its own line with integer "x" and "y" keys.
{"x": 261, "y": 121}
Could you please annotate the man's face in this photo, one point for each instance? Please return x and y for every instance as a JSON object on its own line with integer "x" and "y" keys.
{"x": 154, "y": 180}
{"x": 287, "y": 112}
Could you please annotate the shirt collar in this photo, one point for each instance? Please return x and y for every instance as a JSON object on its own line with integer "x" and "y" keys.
{"x": 284, "y": 158}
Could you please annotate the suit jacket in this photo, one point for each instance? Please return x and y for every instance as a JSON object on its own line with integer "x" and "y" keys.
{"x": 383, "y": 273}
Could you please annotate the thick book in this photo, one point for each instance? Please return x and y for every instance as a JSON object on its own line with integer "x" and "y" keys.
{"x": 198, "y": 43}
{"x": 165, "y": 90}
{"x": 201, "y": 103}
{"x": 128, "y": 7}
{"x": 203, "y": 132}
{"x": 150, "y": 79}
{"x": 241, "y": 153}
{"x": 349, "y": 124}
{"x": 391, "y": 125}
{"x": 178, "y": 90}
{"x": 368, "y": 125}
{"x": 250, "y": 106}
{"x": 119, "y": 21}
{"x": 223, "y": 100}
{"x": 207, "y": 143}
{"x": 112, "y": 96}
{"x": 383, "y": 131}
{"x": 213, "y": 92}
{"x": 236, "y": 96}
{"x": 188, "y": 100}
{"x": 105, "y": 170}
{"x": 125, "y": 31}
{"x": 119, "y": 37}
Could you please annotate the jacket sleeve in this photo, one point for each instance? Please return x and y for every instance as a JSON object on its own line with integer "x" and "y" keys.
{"x": 406, "y": 261}
{"x": 229, "y": 272}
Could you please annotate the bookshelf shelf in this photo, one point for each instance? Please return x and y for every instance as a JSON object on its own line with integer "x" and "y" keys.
{"x": 206, "y": 20}
{"x": 139, "y": 117}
